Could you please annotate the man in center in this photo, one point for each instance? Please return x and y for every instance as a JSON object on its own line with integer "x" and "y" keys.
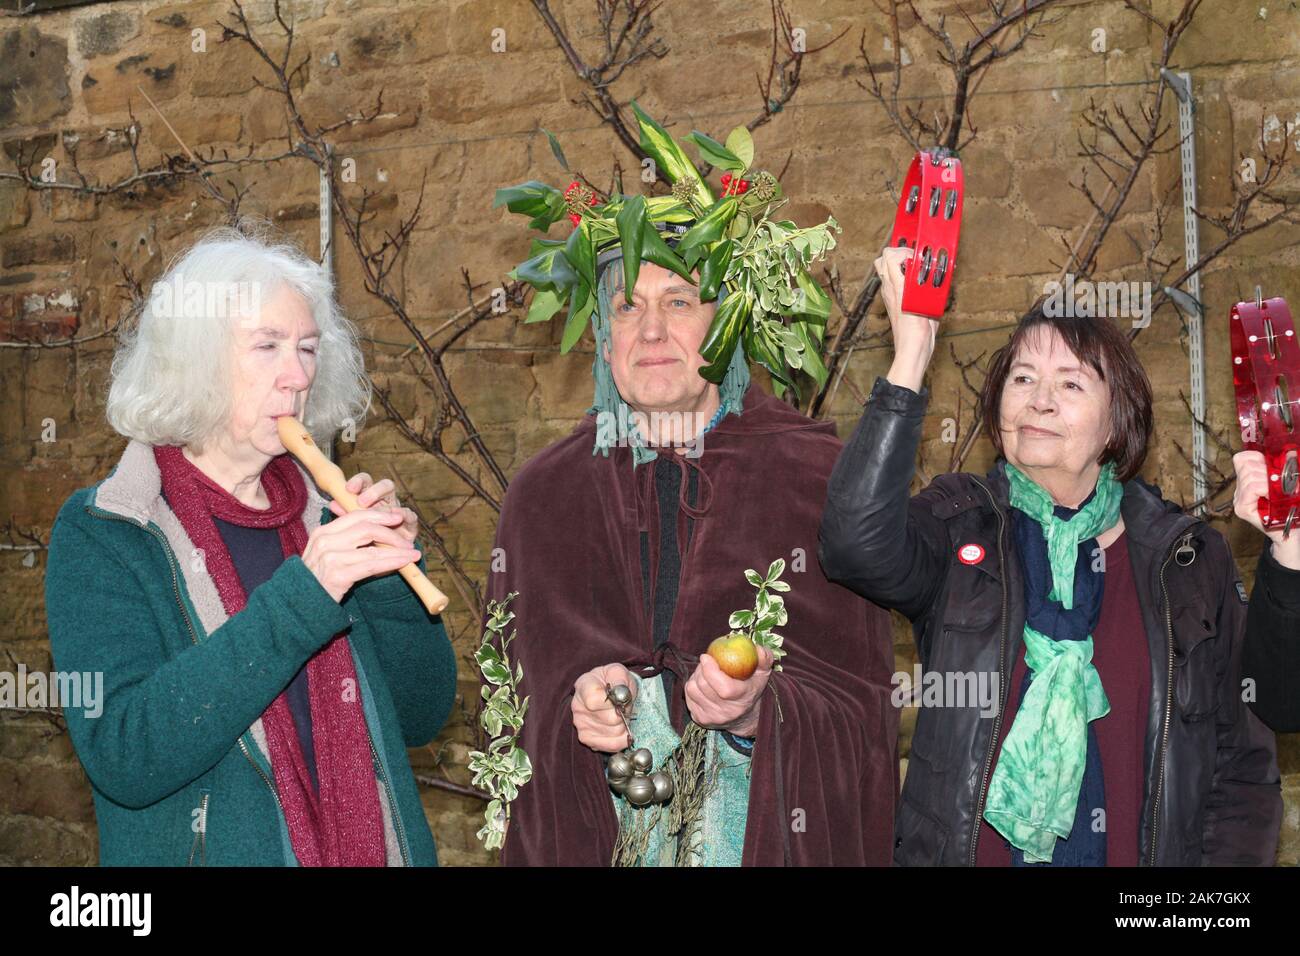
{"x": 628, "y": 542}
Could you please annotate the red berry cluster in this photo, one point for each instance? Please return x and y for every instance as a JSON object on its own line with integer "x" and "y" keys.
{"x": 734, "y": 187}
{"x": 591, "y": 199}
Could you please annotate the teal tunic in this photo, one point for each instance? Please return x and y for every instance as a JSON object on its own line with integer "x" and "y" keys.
{"x": 720, "y": 837}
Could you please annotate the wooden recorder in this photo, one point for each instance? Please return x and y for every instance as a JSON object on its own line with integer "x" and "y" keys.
{"x": 329, "y": 478}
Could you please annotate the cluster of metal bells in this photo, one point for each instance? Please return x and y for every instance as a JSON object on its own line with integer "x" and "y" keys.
{"x": 629, "y": 775}
{"x": 629, "y": 771}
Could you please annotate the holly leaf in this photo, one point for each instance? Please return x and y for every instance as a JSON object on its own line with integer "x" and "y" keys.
{"x": 720, "y": 340}
{"x": 711, "y": 227}
{"x": 546, "y": 302}
{"x": 654, "y": 249}
{"x": 631, "y": 223}
{"x": 578, "y": 250}
{"x": 812, "y": 360}
{"x": 531, "y": 198}
{"x": 814, "y": 302}
{"x": 555, "y": 148}
{"x": 581, "y": 304}
{"x": 715, "y": 154}
{"x": 714, "y": 269}
{"x": 670, "y": 158}
{"x": 550, "y": 268}
{"x": 545, "y": 203}
{"x": 741, "y": 144}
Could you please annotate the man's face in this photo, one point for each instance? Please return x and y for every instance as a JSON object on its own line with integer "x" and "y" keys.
{"x": 655, "y": 342}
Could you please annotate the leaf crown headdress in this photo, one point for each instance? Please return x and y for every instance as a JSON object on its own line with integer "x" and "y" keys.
{"x": 773, "y": 307}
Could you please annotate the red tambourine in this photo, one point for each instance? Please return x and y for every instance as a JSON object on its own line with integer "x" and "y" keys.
{"x": 929, "y": 221}
{"x": 1265, "y": 361}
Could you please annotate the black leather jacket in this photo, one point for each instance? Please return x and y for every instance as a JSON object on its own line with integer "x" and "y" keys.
{"x": 1211, "y": 793}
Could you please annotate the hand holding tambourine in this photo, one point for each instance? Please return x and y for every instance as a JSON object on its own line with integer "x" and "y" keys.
{"x": 1252, "y": 484}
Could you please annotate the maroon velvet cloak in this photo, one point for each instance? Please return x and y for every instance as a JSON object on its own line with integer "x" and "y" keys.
{"x": 825, "y": 777}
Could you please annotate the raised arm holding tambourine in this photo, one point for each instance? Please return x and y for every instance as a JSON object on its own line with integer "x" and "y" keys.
{"x": 1105, "y": 623}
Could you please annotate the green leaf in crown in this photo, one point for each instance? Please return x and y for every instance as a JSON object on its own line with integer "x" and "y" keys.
{"x": 774, "y": 308}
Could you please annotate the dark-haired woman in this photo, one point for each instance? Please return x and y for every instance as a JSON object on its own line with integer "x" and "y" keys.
{"x": 1097, "y": 625}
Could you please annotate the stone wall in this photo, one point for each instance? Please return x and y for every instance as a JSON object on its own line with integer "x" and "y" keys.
{"x": 468, "y": 117}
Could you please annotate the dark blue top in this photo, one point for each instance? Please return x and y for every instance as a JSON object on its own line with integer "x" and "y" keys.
{"x": 256, "y": 553}
{"x": 668, "y": 483}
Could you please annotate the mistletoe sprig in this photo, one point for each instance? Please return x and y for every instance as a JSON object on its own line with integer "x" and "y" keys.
{"x": 774, "y": 308}
{"x": 505, "y": 767}
{"x": 769, "y": 611}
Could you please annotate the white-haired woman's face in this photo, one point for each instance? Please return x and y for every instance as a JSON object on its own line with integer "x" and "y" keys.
{"x": 274, "y": 364}
{"x": 1055, "y": 409}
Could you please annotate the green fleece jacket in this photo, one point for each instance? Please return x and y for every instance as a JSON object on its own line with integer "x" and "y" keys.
{"x": 177, "y": 758}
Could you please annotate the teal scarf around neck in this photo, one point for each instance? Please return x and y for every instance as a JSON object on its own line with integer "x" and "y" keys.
{"x": 1034, "y": 792}
{"x": 1063, "y": 537}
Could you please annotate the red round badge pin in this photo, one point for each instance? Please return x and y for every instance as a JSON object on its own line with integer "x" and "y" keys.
{"x": 970, "y": 554}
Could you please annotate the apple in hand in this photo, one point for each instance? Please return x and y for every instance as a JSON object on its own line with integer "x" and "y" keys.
{"x": 735, "y": 654}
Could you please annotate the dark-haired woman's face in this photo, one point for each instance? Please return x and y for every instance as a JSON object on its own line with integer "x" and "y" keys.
{"x": 1055, "y": 409}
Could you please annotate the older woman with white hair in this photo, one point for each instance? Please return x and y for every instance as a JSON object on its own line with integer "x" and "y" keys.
{"x": 264, "y": 666}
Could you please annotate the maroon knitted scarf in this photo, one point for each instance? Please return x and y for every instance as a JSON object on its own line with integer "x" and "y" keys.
{"x": 342, "y": 825}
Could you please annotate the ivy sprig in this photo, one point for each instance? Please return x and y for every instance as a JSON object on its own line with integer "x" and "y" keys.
{"x": 504, "y": 767}
{"x": 769, "y": 611}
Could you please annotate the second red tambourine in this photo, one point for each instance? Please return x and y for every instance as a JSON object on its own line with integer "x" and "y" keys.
{"x": 1265, "y": 361}
{"x": 929, "y": 221}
